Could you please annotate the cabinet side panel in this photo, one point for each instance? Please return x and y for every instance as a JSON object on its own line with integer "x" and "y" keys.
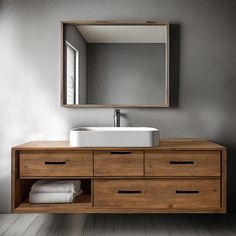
{"x": 19, "y": 187}
{"x": 14, "y": 174}
{"x": 224, "y": 180}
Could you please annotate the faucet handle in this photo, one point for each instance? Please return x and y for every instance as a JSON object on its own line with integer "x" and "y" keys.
{"x": 116, "y": 117}
{"x": 116, "y": 111}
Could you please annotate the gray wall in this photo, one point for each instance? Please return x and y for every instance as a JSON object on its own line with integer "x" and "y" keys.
{"x": 73, "y": 36}
{"x": 124, "y": 73}
{"x": 203, "y": 88}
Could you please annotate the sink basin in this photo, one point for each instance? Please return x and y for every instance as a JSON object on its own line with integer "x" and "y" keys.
{"x": 114, "y": 137}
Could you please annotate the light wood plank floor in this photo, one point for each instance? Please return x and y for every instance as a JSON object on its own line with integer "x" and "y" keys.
{"x": 116, "y": 225}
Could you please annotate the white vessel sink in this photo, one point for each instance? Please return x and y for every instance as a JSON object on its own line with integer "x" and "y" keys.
{"x": 114, "y": 137}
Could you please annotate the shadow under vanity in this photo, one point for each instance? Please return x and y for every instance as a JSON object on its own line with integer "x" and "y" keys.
{"x": 181, "y": 176}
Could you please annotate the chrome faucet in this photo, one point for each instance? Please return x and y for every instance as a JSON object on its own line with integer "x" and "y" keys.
{"x": 116, "y": 118}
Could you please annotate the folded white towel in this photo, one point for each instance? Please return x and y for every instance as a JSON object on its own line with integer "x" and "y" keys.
{"x": 52, "y": 197}
{"x": 53, "y": 186}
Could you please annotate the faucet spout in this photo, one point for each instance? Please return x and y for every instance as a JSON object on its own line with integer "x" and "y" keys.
{"x": 116, "y": 118}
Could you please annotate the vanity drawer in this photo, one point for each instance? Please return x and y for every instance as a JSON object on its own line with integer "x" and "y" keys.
{"x": 49, "y": 164}
{"x": 118, "y": 163}
{"x": 183, "y": 163}
{"x": 185, "y": 194}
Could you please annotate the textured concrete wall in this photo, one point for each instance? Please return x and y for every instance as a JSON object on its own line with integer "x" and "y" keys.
{"x": 203, "y": 74}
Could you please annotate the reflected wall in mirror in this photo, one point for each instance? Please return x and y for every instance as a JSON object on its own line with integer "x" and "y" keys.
{"x": 115, "y": 64}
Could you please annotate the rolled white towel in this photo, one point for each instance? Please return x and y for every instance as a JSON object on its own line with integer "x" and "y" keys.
{"x": 52, "y": 197}
{"x": 53, "y": 186}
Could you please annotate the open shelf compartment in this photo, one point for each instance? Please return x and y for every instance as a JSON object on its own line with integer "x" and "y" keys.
{"x": 22, "y": 204}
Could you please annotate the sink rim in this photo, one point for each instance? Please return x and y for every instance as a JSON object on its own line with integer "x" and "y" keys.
{"x": 114, "y": 129}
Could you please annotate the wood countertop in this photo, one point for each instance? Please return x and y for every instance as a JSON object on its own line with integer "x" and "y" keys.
{"x": 165, "y": 144}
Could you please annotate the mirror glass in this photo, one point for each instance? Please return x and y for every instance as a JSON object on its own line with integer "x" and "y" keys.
{"x": 115, "y": 65}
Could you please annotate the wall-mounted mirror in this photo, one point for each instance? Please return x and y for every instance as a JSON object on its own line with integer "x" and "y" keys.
{"x": 115, "y": 64}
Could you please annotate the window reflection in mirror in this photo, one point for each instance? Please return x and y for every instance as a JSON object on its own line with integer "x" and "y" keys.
{"x": 72, "y": 72}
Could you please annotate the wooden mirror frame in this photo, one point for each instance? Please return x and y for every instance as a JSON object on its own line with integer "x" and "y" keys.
{"x": 167, "y": 87}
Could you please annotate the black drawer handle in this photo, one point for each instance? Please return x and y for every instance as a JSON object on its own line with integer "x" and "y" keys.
{"x": 54, "y": 162}
{"x": 120, "y": 153}
{"x": 182, "y": 162}
{"x": 129, "y": 192}
{"x": 187, "y": 192}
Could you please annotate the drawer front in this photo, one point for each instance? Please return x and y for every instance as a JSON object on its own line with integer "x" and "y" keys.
{"x": 183, "y": 163}
{"x": 186, "y": 194}
{"x": 118, "y": 163}
{"x": 56, "y": 164}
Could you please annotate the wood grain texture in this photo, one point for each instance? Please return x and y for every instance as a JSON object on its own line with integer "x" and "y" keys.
{"x": 183, "y": 163}
{"x": 160, "y": 194}
{"x": 58, "y": 151}
{"x": 79, "y": 206}
{"x": 165, "y": 144}
{"x": 36, "y": 225}
{"x": 14, "y": 177}
{"x": 114, "y": 23}
{"x": 19, "y": 188}
{"x": 224, "y": 180}
{"x": 113, "y": 106}
{"x": 24, "y": 208}
{"x": 108, "y": 164}
{"x": 6, "y": 221}
{"x": 21, "y": 224}
{"x": 56, "y": 164}
{"x": 118, "y": 224}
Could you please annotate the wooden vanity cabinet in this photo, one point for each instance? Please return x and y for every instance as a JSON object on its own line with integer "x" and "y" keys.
{"x": 180, "y": 176}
